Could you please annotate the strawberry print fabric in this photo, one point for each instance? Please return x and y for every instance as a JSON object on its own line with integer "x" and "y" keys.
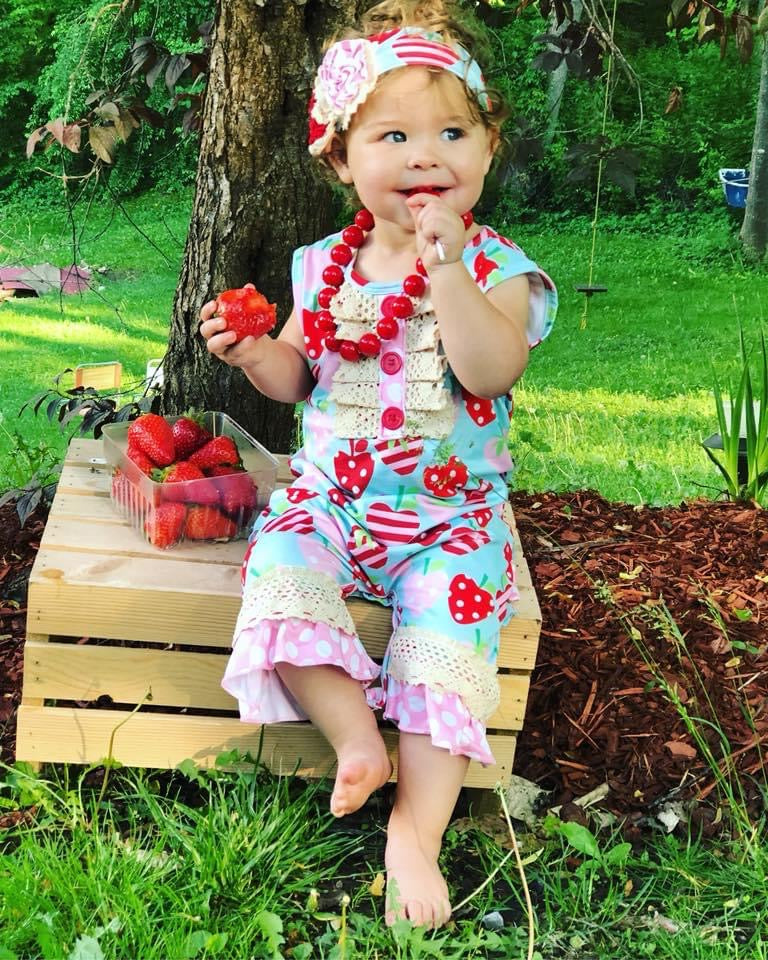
{"x": 409, "y": 521}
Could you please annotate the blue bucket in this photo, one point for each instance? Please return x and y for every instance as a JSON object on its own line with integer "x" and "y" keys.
{"x": 735, "y": 184}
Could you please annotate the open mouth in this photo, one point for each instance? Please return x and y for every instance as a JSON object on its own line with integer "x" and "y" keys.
{"x": 434, "y": 191}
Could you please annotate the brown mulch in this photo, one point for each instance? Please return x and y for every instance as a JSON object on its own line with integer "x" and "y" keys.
{"x": 635, "y": 603}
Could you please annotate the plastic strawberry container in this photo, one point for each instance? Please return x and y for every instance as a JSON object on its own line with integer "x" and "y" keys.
{"x": 137, "y": 496}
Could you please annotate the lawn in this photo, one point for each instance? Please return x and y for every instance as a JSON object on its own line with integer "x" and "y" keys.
{"x": 125, "y": 317}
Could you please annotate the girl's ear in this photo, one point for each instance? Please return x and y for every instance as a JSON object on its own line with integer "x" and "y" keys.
{"x": 337, "y": 157}
{"x": 494, "y": 142}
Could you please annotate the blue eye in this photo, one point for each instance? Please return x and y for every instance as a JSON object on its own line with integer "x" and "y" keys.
{"x": 452, "y": 133}
{"x": 395, "y": 136}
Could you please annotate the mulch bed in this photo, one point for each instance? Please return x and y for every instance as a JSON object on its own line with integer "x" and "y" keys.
{"x": 635, "y": 603}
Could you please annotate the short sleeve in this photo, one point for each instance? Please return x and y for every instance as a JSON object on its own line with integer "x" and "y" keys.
{"x": 492, "y": 259}
{"x": 297, "y": 279}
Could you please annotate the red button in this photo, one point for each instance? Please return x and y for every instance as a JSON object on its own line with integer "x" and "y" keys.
{"x": 391, "y": 362}
{"x": 392, "y": 418}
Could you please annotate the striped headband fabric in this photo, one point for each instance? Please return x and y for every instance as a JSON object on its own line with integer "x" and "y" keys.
{"x": 350, "y": 69}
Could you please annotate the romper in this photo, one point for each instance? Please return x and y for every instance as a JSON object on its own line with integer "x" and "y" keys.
{"x": 397, "y": 497}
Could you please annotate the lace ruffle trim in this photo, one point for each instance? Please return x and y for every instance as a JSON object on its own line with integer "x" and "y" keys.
{"x": 424, "y": 657}
{"x": 285, "y": 592}
{"x": 355, "y": 390}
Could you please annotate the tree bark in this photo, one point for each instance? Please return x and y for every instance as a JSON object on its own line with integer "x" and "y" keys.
{"x": 754, "y": 230}
{"x": 256, "y": 196}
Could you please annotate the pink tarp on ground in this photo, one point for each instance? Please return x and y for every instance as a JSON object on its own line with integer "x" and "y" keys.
{"x": 45, "y": 278}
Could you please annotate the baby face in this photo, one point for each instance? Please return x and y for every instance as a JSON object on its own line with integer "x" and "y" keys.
{"x": 416, "y": 133}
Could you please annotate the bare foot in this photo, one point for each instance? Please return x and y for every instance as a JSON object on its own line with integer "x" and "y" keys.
{"x": 416, "y": 890}
{"x": 362, "y": 768}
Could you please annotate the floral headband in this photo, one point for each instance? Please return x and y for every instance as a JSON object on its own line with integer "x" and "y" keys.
{"x": 350, "y": 69}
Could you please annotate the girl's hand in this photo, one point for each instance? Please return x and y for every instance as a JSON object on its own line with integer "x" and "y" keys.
{"x": 221, "y": 342}
{"x": 435, "y": 221}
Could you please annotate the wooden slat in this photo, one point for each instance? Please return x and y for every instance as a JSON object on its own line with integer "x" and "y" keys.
{"x": 121, "y": 539}
{"x": 65, "y": 735}
{"x": 123, "y": 598}
{"x": 84, "y": 480}
{"x": 56, "y": 671}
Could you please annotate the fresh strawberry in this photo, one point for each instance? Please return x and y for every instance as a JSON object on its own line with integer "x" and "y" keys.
{"x": 208, "y": 523}
{"x": 153, "y": 436}
{"x": 165, "y": 524}
{"x": 188, "y": 435}
{"x": 237, "y": 491}
{"x": 202, "y": 491}
{"x": 246, "y": 312}
{"x": 140, "y": 458}
{"x": 444, "y": 480}
{"x": 219, "y": 452}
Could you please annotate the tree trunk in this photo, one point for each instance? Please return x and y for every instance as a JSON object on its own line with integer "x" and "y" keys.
{"x": 754, "y": 230}
{"x": 256, "y": 195}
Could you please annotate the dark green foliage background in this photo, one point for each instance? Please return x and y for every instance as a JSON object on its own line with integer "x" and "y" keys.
{"x": 54, "y": 55}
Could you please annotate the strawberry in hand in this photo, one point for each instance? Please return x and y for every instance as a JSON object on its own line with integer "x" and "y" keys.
{"x": 246, "y": 311}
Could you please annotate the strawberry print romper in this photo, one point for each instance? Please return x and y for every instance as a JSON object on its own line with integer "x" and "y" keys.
{"x": 397, "y": 497}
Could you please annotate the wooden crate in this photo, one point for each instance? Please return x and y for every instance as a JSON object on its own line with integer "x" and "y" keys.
{"x": 107, "y": 614}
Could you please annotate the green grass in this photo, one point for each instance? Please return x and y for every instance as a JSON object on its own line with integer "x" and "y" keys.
{"x": 126, "y": 316}
{"x": 225, "y": 865}
{"x": 622, "y": 405}
{"x": 619, "y": 406}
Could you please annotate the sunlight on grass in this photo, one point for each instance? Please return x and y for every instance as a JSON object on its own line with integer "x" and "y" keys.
{"x": 628, "y": 446}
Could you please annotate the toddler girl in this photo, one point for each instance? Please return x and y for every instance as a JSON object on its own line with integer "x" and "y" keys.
{"x": 409, "y": 329}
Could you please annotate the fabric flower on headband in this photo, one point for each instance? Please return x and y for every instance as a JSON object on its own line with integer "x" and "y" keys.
{"x": 346, "y": 76}
{"x": 350, "y": 69}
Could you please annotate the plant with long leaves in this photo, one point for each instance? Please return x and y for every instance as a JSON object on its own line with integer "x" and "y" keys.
{"x": 748, "y": 406}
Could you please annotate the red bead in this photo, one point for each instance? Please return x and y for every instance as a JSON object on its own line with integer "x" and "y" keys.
{"x": 364, "y": 219}
{"x": 402, "y": 308}
{"x": 325, "y": 322}
{"x": 353, "y": 235}
{"x": 341, "y": 254}
{"x": 387, "y": 304}
{"x": 369, "y": 345}
{"x": 333, "y": 275}
{"x": 414, "y": 285}
{"x": 349, "y": 351}
{"x": 421, "y": 268}
{"x": 325, "y": 296}
{"x": 468, "y": 219}
{"x": 387, "y": 328}
{"x": 332, "y": 344}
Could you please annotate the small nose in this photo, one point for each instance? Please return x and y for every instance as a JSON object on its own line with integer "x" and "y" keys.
{"x": 422, "y": 157}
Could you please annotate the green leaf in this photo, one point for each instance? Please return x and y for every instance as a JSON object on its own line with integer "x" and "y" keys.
{"x": 272, "y": 927}
{"x": 618, "y": 855}
{"x": 581, "y": 839}
{"x": 86, "y": 948}
{"x": 189, "y": 769}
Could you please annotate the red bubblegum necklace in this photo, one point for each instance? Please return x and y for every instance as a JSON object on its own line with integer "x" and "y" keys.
{"x": 393, "y": 308}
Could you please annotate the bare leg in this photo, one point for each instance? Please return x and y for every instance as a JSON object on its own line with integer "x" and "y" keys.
{"x": 336, "y": 704}
{"x": 428, "y": 784}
